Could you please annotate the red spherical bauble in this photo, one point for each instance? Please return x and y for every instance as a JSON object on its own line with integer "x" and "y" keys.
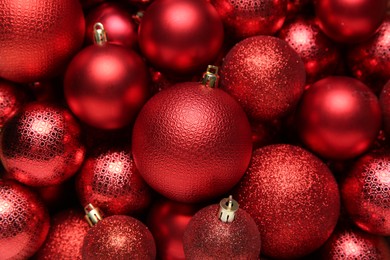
{"x": 119, "y": 237}
{"x": 11, "y": 100}
{"x": 38, "y": 37}
{"x": 338, "y": 117}
{"x": 319, "y": 54}
{"x": 265, "y": 75}
{"x": 293, "y": 198}
{"x": 41, "y": 145}
{"x": 180, "y": 36}
{"x": 385, "y": 105}
{"x": 366, "y": 192}
{"x": 24, "y": 221}
{"x": 350, "y": 21}
{"x": 247, "y": 18}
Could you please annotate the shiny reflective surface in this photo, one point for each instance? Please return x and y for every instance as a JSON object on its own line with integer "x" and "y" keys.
{"x": 11, "y": 100}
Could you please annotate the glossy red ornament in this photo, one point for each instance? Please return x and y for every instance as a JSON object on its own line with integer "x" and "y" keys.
{"x": 38, "y": 37}
{"x": 338, "y": 117}
{"x": 265, "y": 75}
{"x": 384, "y": 101}
{"x": 65, "y": 238}
{"x": 11, "y": 100}
{"x": 180, "y": 36}
{"x": 41, "y": 145}
{"x": 24, "y": 221}
{"x": 245, "y": 18}
{"x": 293, "y": 198}
{"x": 119, "y": 237}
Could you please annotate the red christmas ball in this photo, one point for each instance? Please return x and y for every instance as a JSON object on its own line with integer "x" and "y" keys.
{"x": 180, "y": 36}
{"x": 119, "y": 237}
{"x": 366, "y": 192}
{"x": 41, "y": 145}
{"x": 350, "y": 21}
{"x": 24, "y": 221}
{"x": 338, "y": 117}
{"x": 293, "y": 197}
{"x": 319, "y": 54}
{"x": 385, "y": 105}
{"x": 265, "y": 75}
{"x": 11, "y": 100}
{"x": 38, "y": 37}
{"x": 105, "y": 86}
{"x": 65, "y": 237}
{"x": 245, "y": 18}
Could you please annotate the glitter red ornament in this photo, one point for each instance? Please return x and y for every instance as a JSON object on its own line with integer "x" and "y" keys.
{"x": 293, "y": 198}
{"x": 24, "y": 221}
{"x": 384, "y": 101}
{"x": 338, "y": 117}
{"x": 11, "y": 100}
{"x": 265, "y": 75}
{"x": 41, "y": 145}
{"x": 38, "y": 37}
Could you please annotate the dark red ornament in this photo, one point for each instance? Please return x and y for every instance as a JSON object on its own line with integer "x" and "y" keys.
{"x": 385, "y": 105}
{"x": 11, "y": 100}
{"x": 295, "y": 7}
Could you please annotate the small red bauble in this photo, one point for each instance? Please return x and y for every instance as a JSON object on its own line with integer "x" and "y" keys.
{"x": 41, "y": 145}
{"x": 385, "y": 105}
{"x": 350, "y": 21}
{"x": 338, "y": 117}
{"x": 180, "y": 36}
{"x": 265, "y": 75}
{"x": 38, "y": 37}
{"x": 293, "y": 197}
{"x": 11, "y": 100}
{"x": 24, "y": 221}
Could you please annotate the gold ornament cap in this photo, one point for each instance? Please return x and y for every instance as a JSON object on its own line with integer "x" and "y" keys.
{"x": 227, "y": 209}
{"x": 99, "y": 34}
{"x": 92, "y": 215}
{"x": 210, "y": 77}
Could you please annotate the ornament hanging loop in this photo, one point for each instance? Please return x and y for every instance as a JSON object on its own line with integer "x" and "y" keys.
{"x": 210, "y": 77}
{"x": 99, "y": 34}
{"x": 227, "y": 209}
{"x": 92, "y": 215}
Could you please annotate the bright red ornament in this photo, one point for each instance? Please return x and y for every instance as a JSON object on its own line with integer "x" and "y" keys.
{"x": 41, "y": 145}
{"x": 385, "y": 105}
{"x": 192, "y": 142}
{"x": 24, "y": 221}
{"x": 11, "y": 100}
{"x": 293, "y": 197}
{"x": 350, "y": 21}
{"x": 265, "y": 75}
{"x": 38, "y": 37}
{"x": 180, "y": 36}
{"x": 338, "y": 117}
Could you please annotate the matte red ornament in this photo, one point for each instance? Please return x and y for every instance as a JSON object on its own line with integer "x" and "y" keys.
{"x": 180, "y": 36}
{"x": 384, "y": 101}
{"x": 41, "y": 145}
{"x": 338, "y": 117}
{"x": 24, "y": 221}
{"x": 293, "y": 198}
{"x": 11, "y": 100}
{"x": 265, "y": 75}
{"x": 350, "y": 21}
{"x": 38, "y": 37}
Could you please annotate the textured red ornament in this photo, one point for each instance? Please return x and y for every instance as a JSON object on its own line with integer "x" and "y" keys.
{"x": 385, "y": 105}
{"x": 24, "y": 221}
{"x": 366, "y": 191}
{"x": 319, "y": 54}
{"x": 293, "y": 198}
{"x": 338, "y": 117}
{"x": 180, "y": 36}
{"x": 245, "y": 18}
{"x": 41, "y": 146}
{"x": 65, "y": 238}
{"x": 11, "y": 100}
{"x": 265, "y": 75}
{"x": 38, "y": 37}
{"x": 119, "y": 237}
{"x": 350, "y": 21}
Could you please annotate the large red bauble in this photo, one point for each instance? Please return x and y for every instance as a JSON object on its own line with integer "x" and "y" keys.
{"x": 24, "y": 221}
{"x": 385, "y": 105}
{"x": 105, "y": 86}
{"x": 119, "y": 237}
{"x": 245, "y": 18}
{"x": 338, "y": 117}
{"x": 180, "y": 36}
{"x": 350, "y": 21}
{"x": 11, "y": 100}
{"x": 265, "y": 75}
{"x": 192, "y": 142}
{"x": 292, "y": 196}
{"x": 38, "y": 37}
{"x": 41, "y": 145}
{"x": 366, "y": 192}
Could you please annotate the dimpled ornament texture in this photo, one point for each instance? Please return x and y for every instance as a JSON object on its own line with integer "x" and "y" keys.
{"x": 24, "y": 221}
{"x": 41, "y": 146}
{"x": 293, "y": 198}
{"x": 119, "y": 237}
{"x": 11, "y": 100}
{"x": 192, "y": 142}
{"x": 38, "y": 37}
{"x": 265, "y": 75}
